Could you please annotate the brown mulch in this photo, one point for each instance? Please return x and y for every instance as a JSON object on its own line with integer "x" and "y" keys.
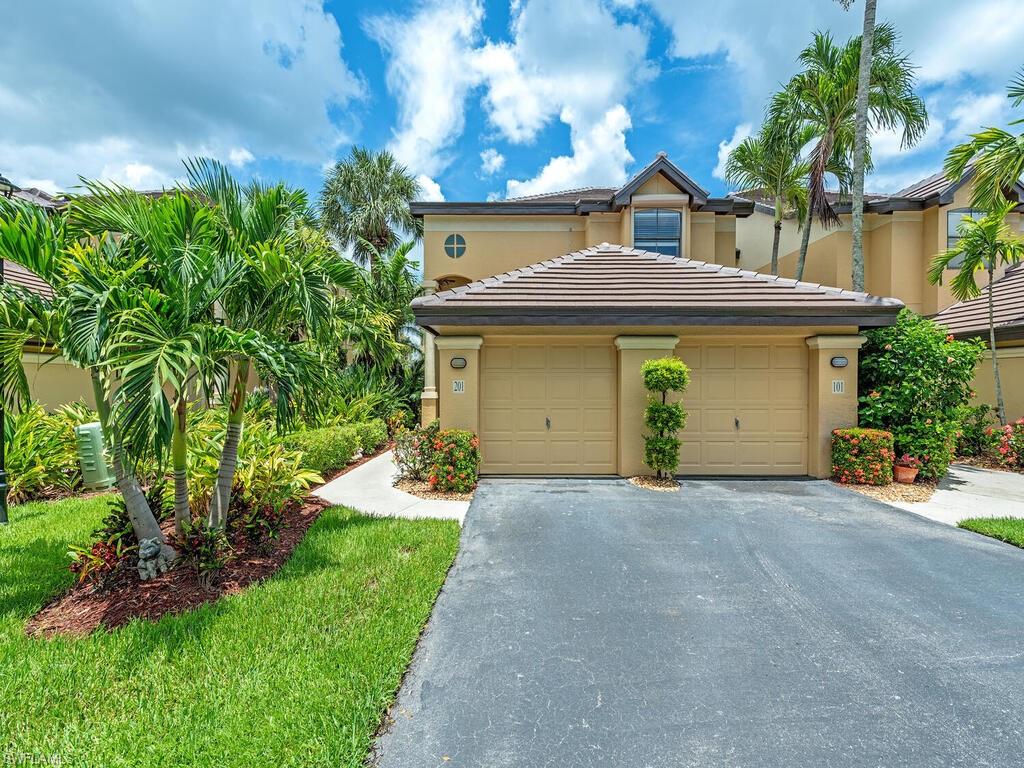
{"x": 422, "y": 489}
{"x": 121, "y": 597}
{"x": 654, "y": 484}
{"x": 921, "y": 490}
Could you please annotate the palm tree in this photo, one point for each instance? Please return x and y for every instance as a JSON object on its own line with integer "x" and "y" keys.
{"x": 824, "y": 97}
{"x": 983, "y": 245}
{"x": 286, "y": 291}
{"x": 770, "y": 162}
{"x": 996, "y": 155}
{"x": 365, "y": 199}
{"x": 860, "y": 144}
{"x": 86, "y": 279}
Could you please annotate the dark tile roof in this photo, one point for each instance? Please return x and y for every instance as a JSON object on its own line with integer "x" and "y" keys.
{"x": 614, "y": 284}
{"x": 970, "y": 318}
{"x": 933, "y": 185}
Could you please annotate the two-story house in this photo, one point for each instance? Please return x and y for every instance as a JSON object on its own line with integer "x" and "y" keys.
{"x": 544, "y": 308}
{"x": 902, "y": 235}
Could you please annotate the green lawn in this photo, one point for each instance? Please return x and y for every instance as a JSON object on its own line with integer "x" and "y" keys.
{"x": 1008, "y": 529}
{"x": 295, "y": 671}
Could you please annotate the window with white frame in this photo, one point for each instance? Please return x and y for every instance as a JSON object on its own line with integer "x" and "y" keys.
{"x": 953, "y": 219}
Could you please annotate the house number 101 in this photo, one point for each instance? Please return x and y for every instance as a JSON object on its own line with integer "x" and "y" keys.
{"x": 458, "y": 386}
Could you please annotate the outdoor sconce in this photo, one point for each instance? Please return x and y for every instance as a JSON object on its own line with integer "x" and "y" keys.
{"x": 458, "y": 362}
{"x": 840, "y": 362}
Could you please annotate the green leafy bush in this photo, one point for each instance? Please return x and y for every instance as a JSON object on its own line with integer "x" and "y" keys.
{"x": 112, "y": 544}
{"x": 414, "y": 449}
{"x": 41, "y": 454}
{"x": 372, "y": 434}
{"x": 915, "y": 379}
{"x": 862, "y": 456}
{"x": 326, "y": 449}
{"x": 974, "y": 423}
{"x": 454, "y": 461}
{"x": 664, "y": 419}
{"x": 205, "y": 549}
{"x": 1009, "y": 443}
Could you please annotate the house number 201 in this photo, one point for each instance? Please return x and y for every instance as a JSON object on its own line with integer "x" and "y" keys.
{"x": 458, "y": 386}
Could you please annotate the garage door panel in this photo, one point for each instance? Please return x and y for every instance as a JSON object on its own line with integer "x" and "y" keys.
{"x": 691, "y": 354}
{"x": 564, "y": 357}
{"x": 755, "y": 420}
{"x": 530, "y": 357}
{"x": 784, "y": 356}
{"x": 564, "y": 387}
{"x": 718, "y": 387}
{"x": 598, "y": 422}
{"x": 719, "y": 357}
{"x": 754, "y": 357}
{"x": 751, "y": 386}
{"x": 789, "y": 387}
{"x": 499, "y": 359}
{"x": 718, "y": 421}
{"x": 565, "y": 420}
{"x": 599, "y": 453}
{"x": 599, "y": 358}
{"x": 497, "y": 420}
{"x": 789, "y": 421}
{"x": 718, "y": 455}
{"x": 790, "y": 454}
{"x": 751, "y": 454}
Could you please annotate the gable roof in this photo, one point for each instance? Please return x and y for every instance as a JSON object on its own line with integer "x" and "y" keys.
{"x": 586, "y": 200}
{"x": 612, "y": 285}
{"x": 970, "y": 318}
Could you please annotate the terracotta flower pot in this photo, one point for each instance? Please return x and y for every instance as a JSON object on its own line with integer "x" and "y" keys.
{"x": 904, "y": 474}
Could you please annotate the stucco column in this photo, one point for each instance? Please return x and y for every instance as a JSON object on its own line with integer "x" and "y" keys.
{"x": 459, "y": 387}
{"x": 633, "y": 352}
{"x": 832, "y": 396}
{"x": 428, "y": 398}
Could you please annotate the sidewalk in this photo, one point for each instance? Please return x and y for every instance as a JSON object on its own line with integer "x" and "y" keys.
{"x": 368, "y": 489}
{"x": 968, "y": 491}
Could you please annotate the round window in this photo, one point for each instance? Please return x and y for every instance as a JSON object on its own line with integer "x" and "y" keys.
{"x": 455, "y": 246}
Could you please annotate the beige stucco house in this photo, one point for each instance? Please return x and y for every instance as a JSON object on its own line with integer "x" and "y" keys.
{"x": 902, "y": 234}
{"x": 541, "y": 311}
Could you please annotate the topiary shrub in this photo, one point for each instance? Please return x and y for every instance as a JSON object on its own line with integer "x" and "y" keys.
{"x": 326, "y": 449}
{"x": 454, "y": 461}
{"x": 662, "y": 418}
{"x": 862, "y": 456}
{"x": 372, "y": 434}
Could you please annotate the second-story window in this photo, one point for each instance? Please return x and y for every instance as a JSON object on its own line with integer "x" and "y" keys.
{"x": 953, "y": 219}
{"x": 658, "y": 230}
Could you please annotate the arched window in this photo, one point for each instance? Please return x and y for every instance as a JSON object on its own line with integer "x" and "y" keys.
{"x": 455, "y": 246}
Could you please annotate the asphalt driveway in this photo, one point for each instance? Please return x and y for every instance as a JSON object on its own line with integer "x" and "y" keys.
{"x": 738, "y": 623}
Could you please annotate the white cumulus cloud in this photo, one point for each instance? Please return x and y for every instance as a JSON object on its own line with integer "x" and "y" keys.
{"x": 725, "y": 148}
{"x": 491, "y": 161}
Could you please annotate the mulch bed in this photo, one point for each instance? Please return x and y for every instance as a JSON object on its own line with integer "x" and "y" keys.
{"x": 121, "y": 597}
{"x": 921, "y": 490}
{"x": 654, "y": 484}
{"x": 421, "y": 489}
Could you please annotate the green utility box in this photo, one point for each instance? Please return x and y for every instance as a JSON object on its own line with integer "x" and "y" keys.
{"x": 96, "y": 475}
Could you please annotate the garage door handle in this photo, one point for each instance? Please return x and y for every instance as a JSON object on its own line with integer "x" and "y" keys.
{"x": 737, "y": 420}
{"x": 547, "y": 422}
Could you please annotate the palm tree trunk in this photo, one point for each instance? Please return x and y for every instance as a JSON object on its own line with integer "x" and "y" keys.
{"x": 1000, "y": 405}
{"x": 776, "y": 236}
{"x": 860, "y": 143}
{"x": 144, "y": 522}
{"x": 179, "y": 462}
{"x": 805, "y": 240}
{"x": 221, "y": 500}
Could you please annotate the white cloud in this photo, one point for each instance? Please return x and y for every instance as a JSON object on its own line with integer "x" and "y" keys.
{"x": 599, "y": 157}
{"x": 430, "y": 190}
{"x": 725, "y": 148}
{"x": 104, "y": 90}
{"x": 975, "y": 111}
{"x": 240, "y": 157}
{"x": 491, "y": 161}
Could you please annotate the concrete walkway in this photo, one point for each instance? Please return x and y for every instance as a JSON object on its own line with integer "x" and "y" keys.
{"x": 972, "y": 492}
{"x": 368, "y": 488}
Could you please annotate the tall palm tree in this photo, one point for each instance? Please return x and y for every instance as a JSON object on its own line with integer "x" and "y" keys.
{"x": 365, "y": 199}
{"x": 983, "y": 244}
{"x": 824, "y": 96}
{"x": 860, "y": 144}
{"x": 771, "y": 163}
{"x": 997, "y": 156}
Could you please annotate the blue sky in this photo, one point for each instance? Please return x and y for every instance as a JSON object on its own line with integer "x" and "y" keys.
{"x": 478, "y": 99}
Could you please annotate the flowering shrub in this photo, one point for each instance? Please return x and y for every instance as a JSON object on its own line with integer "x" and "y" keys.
{"x": 413, "y": 449}
{"x": 1009, "y": 442}
{"x": 975, "y": 433}
{"x": 862, "y": 456}
{"x": 932, "y": 441}
{"x": 906, "y": 460}
{"x": 454, "y": 461}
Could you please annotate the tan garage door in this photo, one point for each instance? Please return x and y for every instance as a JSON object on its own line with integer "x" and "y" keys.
{"x": 747, "y": 406}
{"x": 547, "y": 406}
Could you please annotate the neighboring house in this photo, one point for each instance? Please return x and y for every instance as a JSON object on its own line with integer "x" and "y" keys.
{"x": 970, "y": 319}
{"x": 902, "y": 235}
{"x": 550, "y": 304}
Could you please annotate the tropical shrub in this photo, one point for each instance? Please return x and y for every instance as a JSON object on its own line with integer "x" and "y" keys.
{"x": 915, "y": 380}
{"x": 326, "y": 449}
{"x": 205, "y": 548}
{"x": 664, "y": 419}
{"x": 1009, "y": 443}
{"x": 454, "y": 461}
{"x": 113, "y": 542}
{"x": 862, "y": 456}
{"x": 400, "y": 418}
{"x": 41, "y": 453}
{"x": 372, "y": 435}
{"x": 974, "y": 422}
{"x": 413, "y": 449}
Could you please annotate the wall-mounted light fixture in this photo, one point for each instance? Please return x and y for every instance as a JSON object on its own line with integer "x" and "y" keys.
{"x": 840, "y": 362}
{"x": 458, "y": 362}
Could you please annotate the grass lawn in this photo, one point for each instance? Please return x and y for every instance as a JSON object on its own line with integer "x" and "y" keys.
{"x": 295, "y": 671}
{"x": 1008, "y": 529}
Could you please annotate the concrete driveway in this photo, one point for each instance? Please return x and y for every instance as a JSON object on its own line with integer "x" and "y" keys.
{"x": 738, "y": 623}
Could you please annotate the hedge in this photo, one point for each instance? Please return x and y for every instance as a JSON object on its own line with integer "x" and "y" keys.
{"x": 326, "y": 449}
{"x": 372, "y": 434}
{"x": 862, "y": 456}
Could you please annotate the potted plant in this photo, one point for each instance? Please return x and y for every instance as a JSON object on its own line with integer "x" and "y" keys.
{"x": 905, "y": 470}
